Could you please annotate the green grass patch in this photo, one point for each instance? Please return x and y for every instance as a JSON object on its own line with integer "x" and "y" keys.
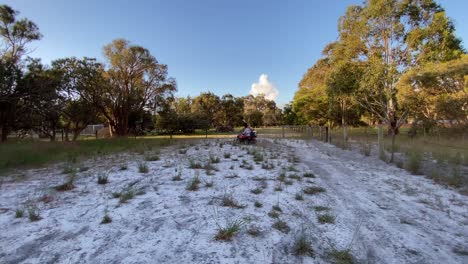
{"x": 34, "y": 153}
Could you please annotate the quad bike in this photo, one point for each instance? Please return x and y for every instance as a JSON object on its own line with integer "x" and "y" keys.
{"x": 250, "y": 139}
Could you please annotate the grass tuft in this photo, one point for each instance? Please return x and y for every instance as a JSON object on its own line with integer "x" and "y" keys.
{"x": 142, "y": 167}
{"x": 302, "y": 246}
{"x": 326, "y": 219}
{"x": 313, "y": 190}
{"x": 226, "y": 233}
{"x": 281, "y": 226}
{"x": 103, "y": 179}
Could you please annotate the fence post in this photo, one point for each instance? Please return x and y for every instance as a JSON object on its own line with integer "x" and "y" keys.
{"x": 327, "y": 139}
{"x": 282, "y": 132}
{"x": 380, "y": 140}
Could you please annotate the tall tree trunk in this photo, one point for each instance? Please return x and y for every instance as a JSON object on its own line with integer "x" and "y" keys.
{"x": 4, "y": 133}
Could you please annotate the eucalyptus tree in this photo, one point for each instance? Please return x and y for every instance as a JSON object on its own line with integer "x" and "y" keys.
{"x": 15, "y": 35}
{"x": 137, "y": 82}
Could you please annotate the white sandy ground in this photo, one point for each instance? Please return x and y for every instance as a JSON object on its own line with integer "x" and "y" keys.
{"x": 383, "y": 214}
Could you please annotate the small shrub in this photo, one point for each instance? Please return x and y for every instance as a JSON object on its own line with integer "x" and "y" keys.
{"x": 226, "y": 233}
{"x": 126, "y": 195}
{"x": 326, "y": 219}
{"x": 281, "y": 226}
{"x": 413, "y": 164}
{"x": 142, "y": 167}
{"x": 193, "y": 184}
{"x": 309, "y": 175}
{"x": 258, "y": 204}
{"x": 299, "y": 197}
{"x": 313, "y": 190}
{"x": 33, "y": 214}
{"x": 302, "y": 246}
{"x": 256, "y": 191}
{"x": 227, "y": 155}
{"x": 19, "y": 213}
{"x": 103, "y": 179}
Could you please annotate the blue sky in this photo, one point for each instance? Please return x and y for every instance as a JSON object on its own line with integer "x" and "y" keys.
{"x": 209, "y": 45}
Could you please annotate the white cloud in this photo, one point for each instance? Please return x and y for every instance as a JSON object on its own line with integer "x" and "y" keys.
{"x": 264, "y": 86}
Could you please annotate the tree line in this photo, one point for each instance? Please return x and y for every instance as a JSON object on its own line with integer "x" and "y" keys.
{"x": 394, "y": 61}
{"x": 130, "y": 92}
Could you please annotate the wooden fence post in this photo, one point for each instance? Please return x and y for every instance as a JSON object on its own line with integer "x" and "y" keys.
{"x": 327, "y": 139}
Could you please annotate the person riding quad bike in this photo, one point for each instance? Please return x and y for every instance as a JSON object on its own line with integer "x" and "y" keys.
{"x": 248, "y": 136}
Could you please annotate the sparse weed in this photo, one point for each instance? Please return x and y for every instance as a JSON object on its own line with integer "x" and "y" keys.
{"x": 227, "y": 155}
{"x": 258, "y": 204}
{"x": 288, "y": 182}
{"x": 123, "y": 167}
{"x": 68, "y": 169}
{"x": 366, "y": 148}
